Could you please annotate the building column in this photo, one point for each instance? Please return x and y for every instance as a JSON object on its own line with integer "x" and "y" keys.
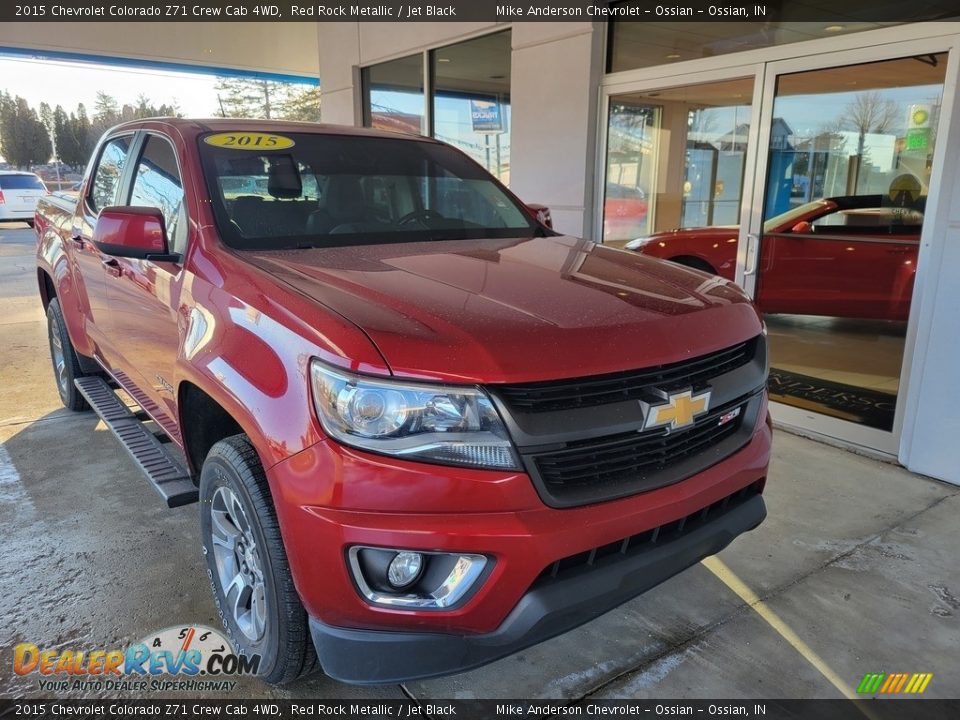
{"x": 339, "y": 45}
{"x": 554, "y": 89}
{"x": 931, "y": 419}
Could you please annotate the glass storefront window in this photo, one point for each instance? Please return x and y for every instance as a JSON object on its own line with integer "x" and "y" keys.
{"x": 471, "y": 99}
{"x": 469, "y": 93}
{"x": 848, "y": 174}
{"x": 675, "y": 158}
{"x": 393, "y": 95}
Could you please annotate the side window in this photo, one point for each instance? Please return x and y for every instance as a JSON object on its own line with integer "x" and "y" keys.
{"x": 157, "y": 184}
{"x": 106, "y": 178}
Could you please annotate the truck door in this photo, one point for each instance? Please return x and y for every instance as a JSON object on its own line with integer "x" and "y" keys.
{"x": 145, "y": 295}
{"x": 89, "y": 263}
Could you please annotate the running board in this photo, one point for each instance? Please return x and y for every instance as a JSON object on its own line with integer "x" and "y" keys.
{"x": 167, "y": 475}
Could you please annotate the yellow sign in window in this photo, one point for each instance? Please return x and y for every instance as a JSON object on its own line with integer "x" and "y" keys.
{"x": 249, "y": 141}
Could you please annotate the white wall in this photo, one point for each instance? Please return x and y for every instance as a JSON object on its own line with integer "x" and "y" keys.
{"x": 555, "y": 76}
{"x": 284, "y": 48}
{"x": 930, "y": 442}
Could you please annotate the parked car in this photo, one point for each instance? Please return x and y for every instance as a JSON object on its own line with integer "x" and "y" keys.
{"x": 19, "y": 193}
{"x": 851, "y": 256}
{"x": 624, "y": 211}
{"x": 425, "y": 430}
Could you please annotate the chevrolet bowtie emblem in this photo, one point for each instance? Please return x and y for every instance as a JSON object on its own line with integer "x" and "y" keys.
{"x": 679, "y": 411}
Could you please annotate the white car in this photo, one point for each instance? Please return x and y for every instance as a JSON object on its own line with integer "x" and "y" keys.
{"x": 19, "y": 193}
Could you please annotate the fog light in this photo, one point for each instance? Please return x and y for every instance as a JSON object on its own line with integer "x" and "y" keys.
{"x": 405, "y": 569}
{"x": 415, "y": 579}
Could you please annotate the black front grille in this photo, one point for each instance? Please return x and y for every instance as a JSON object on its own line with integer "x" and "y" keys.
{"x": 634, "y": 459}
{"x": 631, "y": 385}
{"x": 648, "y": 539}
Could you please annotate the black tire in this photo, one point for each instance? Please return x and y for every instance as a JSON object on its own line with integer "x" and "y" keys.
{"x": 60, "y": 344}
{"x": 285, "y": 647}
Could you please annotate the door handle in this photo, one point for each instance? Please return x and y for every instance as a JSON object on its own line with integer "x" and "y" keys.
{"x": 753, "y": 254}
{"x": 110, "y": 262}
{"x": 78, "y": 241}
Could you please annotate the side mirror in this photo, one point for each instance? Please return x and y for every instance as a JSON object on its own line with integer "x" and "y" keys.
{"x": 541, "y": 214}
{"x": 132, "y": 232}
{"x": 802, "y": 227}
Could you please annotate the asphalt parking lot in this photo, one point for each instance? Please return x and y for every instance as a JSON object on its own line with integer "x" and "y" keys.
{"x": 854, "y": 571}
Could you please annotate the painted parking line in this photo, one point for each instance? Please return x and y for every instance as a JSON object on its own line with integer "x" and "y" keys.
{"x": 715, "y": 565}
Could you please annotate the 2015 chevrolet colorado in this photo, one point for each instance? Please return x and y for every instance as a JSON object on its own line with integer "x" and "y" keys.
{"x": 425, "y": 430}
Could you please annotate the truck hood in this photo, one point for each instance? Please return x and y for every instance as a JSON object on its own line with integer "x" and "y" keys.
{"x": 517, "y": 310}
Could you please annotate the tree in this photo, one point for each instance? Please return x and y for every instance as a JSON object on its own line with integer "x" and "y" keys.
{"x": 870, "y": 112}
{"x": 24, "y": 141}
{"x": 302, "y": 103}
{"x": 105, "y": 110}
{"x": 267, "y": 99}
{"x": 83, "y": 130}
{"x": 69, "y": 139}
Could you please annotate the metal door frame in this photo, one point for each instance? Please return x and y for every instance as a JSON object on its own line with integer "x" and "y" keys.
{"x": 765, "y": 67}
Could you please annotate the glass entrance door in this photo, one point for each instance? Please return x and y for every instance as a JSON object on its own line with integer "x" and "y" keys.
{"x": 845, "y": 174}
{"x": 677, "y": 157}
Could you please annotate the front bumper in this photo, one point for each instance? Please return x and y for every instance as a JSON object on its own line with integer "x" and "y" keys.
{"x": 548, "y": 609}
{"x": 329, "y": 498}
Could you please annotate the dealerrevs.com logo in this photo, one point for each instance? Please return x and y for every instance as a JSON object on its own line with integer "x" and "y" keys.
{"x": 186, "y": 658}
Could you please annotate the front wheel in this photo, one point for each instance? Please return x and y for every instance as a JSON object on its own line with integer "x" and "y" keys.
{"x": 247, "y": 565}
{"x": 66, "y": 365}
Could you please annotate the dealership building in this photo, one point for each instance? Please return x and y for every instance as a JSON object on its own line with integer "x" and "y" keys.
{"x": 823, "y": 154}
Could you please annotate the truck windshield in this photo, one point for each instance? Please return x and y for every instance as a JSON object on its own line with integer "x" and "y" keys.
{"x": 320, "y": 190}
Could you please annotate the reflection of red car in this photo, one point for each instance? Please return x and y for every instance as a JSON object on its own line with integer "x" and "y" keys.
{"x": 841, "y": 256}
{"x": 624, "y": 212}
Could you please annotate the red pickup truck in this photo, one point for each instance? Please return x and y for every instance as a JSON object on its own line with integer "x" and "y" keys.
{"x": 425, "y": 430}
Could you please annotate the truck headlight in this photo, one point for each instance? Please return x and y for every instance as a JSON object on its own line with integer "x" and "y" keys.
{"x": 435, "y": 423}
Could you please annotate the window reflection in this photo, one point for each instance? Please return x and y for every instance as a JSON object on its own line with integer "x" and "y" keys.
{"x": 675, "y": 158}
{"x": 848, "y": 176}
{"x": 393, "y": 95}
{"x": 103, "y": 192}
{"x": 157, "y": 184}
{"x": 471, "y": 99}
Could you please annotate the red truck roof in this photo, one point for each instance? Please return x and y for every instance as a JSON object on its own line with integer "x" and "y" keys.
{"x": 194, "y": 126}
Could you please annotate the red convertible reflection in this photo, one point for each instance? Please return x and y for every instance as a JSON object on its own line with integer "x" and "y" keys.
{"x": 852, "y": 257}
{"x": 624, "y": 211}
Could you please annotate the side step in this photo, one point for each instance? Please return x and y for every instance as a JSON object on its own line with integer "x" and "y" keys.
{"x": 170, "y": 478}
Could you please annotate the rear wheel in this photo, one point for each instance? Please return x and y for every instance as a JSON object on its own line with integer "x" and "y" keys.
{"x": 247, "y": 565}
{"x": 66, "y": 365}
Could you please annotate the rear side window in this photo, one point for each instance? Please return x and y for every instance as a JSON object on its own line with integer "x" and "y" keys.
{"x": 106, "y": 178}
{"x": 157, "y": 184}
{"x": 21, "y": 182}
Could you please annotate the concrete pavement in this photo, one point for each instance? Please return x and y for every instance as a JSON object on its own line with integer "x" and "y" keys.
{"x": 854, "y": 571}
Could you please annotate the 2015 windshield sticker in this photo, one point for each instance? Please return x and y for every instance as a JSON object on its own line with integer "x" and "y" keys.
{"x": 249, "y": 141}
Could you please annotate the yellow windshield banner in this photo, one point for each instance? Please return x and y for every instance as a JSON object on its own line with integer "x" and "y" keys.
{"x": 249, "y": 141}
